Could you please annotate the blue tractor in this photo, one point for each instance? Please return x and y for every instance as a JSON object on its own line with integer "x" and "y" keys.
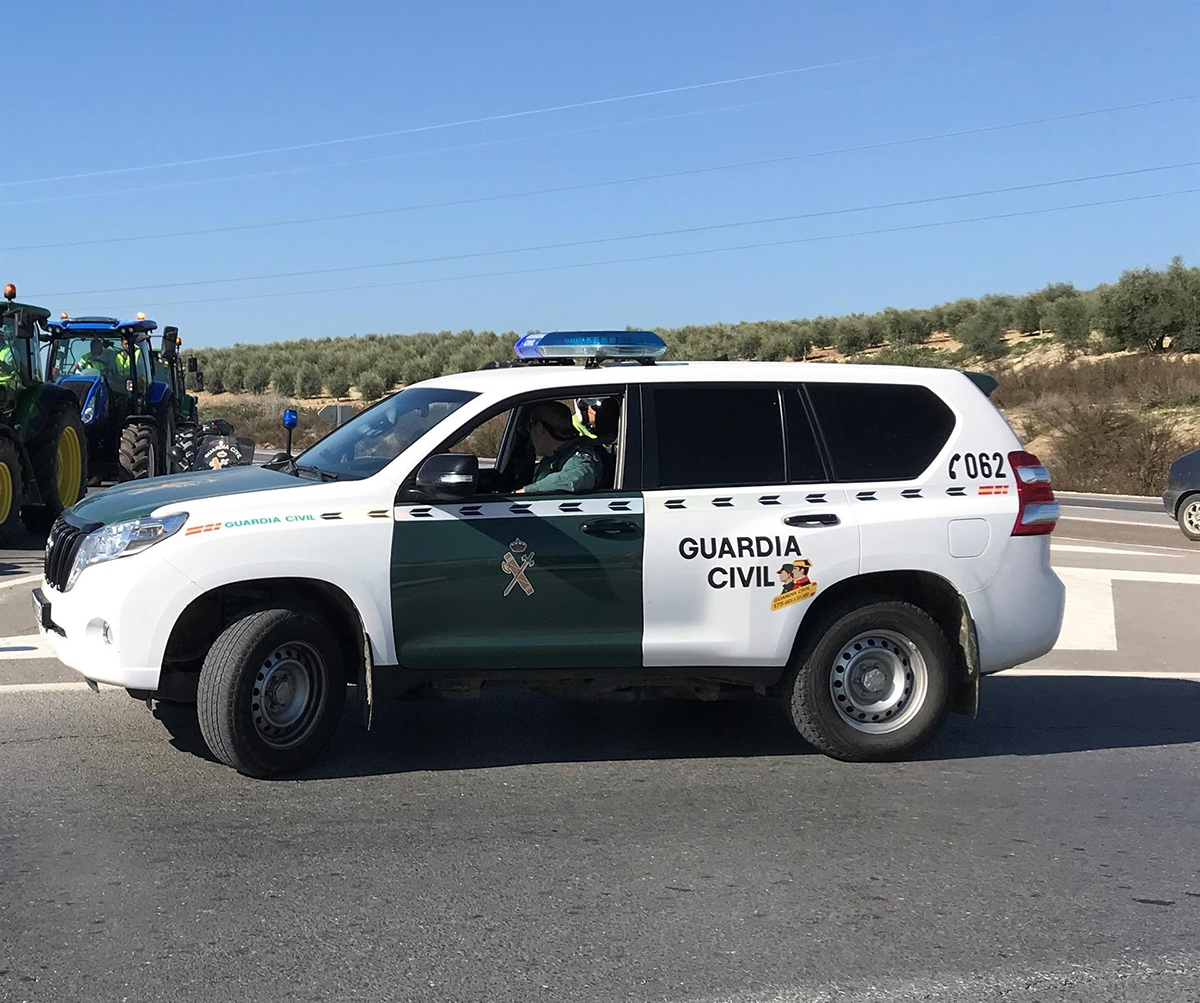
{"x": 126, "y": 399}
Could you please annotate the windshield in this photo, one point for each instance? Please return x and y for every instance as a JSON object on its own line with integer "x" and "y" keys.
{"x": 90, "y": 356}
{"x": 368, "y": 442}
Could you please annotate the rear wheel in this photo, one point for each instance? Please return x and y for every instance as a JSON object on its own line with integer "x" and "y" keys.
{"x": 11, "y": 489}
{"x": 138, "y": 455}
{"x": 58, "y": 456}
{"x": 271, "y": 692}
{"x": 1189, "y": 517}
{"x": 875, "y": 686}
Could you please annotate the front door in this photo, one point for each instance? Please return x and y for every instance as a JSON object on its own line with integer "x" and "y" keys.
{"x": 515, "y": 581}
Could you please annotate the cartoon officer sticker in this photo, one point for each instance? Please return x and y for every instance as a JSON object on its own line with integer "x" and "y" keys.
{"x": 794, "y": 584}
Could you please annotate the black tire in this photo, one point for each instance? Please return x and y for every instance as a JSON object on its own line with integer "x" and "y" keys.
{"x": 187, "y": 438}
{"x": 232, "y": 698}
{"x": 43, "y": 450}
{"x": 859, "y": 642}
{"x": 138, "y": 454}
{"x": 12, "y": 490}
{"x": 1188, "y": 516}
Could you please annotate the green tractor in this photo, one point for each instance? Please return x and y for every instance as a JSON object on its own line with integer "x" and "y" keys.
{"x": 187, "y": 417}
{"x": 43, "y": 457}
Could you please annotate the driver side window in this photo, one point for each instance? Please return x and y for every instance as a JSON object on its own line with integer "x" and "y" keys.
{"x": 510, "y": 458}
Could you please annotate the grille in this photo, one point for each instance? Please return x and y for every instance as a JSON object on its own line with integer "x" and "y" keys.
{"x": 61, "y": 547}
{"x": 79, "y": 389}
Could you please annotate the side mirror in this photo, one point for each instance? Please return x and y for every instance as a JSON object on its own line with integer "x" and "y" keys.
{"x": 170, "y": 342}
{"x": 191, "y": 364}
{"x": 448, "y": 476}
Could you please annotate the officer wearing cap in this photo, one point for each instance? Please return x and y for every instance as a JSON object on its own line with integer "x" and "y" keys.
{"x": 568, "y": 461}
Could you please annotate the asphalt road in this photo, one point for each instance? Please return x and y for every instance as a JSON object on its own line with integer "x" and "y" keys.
{"x": 520, "y": 848}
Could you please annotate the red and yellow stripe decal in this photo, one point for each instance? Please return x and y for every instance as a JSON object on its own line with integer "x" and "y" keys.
{"x": 206, "y": 528}
{"x": 993, "y": 489}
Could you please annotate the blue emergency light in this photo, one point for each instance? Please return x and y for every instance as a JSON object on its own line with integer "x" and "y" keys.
{"x": 591, "y": 345}
{"x": 290, "y": 418}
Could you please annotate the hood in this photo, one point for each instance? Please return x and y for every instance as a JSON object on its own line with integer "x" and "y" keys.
{"x": 135, "y": 499}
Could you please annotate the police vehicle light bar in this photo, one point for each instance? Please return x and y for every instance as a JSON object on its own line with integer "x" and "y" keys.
{"x": 591, "y": 345}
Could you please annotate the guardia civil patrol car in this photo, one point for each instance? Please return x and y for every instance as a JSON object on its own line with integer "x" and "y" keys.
{"x": 860, "y": 543}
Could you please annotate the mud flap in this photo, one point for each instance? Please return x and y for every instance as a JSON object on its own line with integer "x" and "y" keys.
{"x": 366, "y": 683}
{"x": 966, "y": 697}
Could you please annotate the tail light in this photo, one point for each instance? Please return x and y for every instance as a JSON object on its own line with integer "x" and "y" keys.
{"x": 1038, "y": 511}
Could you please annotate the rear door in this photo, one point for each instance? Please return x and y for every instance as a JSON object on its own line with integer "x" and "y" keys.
{"x": 514, "y": 581}
{"x": 743, "y": 523}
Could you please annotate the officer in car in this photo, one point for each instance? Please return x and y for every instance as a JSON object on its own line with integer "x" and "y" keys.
{"x": 568, "y": 461}
{"x": 584, "y": 419}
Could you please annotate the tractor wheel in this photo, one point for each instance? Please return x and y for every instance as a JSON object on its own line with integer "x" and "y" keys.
{"x": 58, "y": 456}
{"x": 187, "y": 438}
{"x": 11, "y": 490}
{"x": 138, "y": 456}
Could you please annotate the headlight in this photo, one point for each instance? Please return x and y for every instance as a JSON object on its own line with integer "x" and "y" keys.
{"x": 122, "y": 539}
{"x": 89, "y": 412}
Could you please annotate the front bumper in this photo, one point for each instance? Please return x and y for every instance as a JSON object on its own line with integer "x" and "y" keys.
{"x": 114, "y": 625}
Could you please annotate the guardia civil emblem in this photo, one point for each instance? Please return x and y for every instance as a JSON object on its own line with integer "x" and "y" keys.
{"x": 516, "y": 562}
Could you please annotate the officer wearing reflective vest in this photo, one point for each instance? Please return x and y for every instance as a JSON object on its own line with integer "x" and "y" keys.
{"x": 568, "y": 461}
{"x": 123, "y": 357}
{"x": 10, "y": 371}
{"x": 97, "y": 359}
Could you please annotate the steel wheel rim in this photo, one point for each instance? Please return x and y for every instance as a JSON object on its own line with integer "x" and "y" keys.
{"x": 68, "y": 467}
{"x": 289, "y": 694}
{"x": 6, "y": 493}
{"x": 879, "y": 681}
{"x": 1191, "y": 517}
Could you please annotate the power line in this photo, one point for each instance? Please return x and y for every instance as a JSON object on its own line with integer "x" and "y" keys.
{"x": 504, "y": 116}
{"x": 562, "y": 245}
{"x": 568, "y": 132}
{"x": 677, "y": 254}
{"x": 611, "y": 182}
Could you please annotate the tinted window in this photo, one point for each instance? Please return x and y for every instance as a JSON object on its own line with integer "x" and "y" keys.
{"x": 718, "y": 436}
{"x": 804, "y": 464}
{"x": 880, "y": 432}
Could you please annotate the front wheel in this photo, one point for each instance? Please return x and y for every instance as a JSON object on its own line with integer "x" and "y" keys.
{"x": 875, "y": 686}
{"x": 1189, "y": 517}
{"x": 58, "y": 457}
{"x": 271, "y": 692}
{"x": 137, "y": 455}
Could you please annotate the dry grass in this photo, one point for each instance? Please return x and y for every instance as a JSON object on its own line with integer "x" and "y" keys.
{"x": 259, "y": 417}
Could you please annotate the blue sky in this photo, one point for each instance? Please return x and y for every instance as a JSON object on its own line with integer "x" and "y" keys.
{"x": 112, "y": 86}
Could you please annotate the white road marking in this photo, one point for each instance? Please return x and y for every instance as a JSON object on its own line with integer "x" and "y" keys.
{"x": 27, "y": 580}
{"x": 23, "y": 646}
{"x": 1089, "y": 619}
{"x": 54, "y": 688}
{"x": 1144, "y": 546}
{"x": 1077, "y": 548}
{"x": 1123, "y": 522}
{"x": 1192, "y": 677}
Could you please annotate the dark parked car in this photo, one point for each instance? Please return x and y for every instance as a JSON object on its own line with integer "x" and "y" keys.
{"x": 1182, "y": 497}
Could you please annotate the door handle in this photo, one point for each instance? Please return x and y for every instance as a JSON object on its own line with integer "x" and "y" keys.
{"x": 611, "y": 529}
{"x": 810, "y": 519}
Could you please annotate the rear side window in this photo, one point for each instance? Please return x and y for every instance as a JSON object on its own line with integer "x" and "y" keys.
{"x": 718, "y": 436}
{"x": 880, "y": 432}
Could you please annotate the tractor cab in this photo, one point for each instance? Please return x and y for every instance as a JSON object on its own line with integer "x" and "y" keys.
{"x": 120, "y": 384}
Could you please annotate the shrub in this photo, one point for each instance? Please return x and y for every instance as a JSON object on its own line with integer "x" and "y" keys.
{"x": 337, "y": 383}
{"x": 982, "y": 334}
{"x": 235, "y": 378}
{"x": 1107, "y": 448}
{"x": 308, "y": 381}
{"x": 1070, "y": 320}
{"x": 416, "y": 370}
{"x": 371, "y": 385}
{"x": 1144, "y": 308}
{"x": 258, "y": 376}
{"x": 851, "y": 335}
{"x": 283, "y": 379}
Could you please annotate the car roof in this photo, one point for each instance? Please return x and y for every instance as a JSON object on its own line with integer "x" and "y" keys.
{"x": 519, "y": 378}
